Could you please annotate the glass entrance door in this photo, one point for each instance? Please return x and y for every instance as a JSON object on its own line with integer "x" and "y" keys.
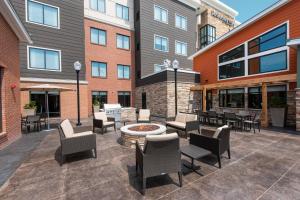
{"x": 54, "y": 102}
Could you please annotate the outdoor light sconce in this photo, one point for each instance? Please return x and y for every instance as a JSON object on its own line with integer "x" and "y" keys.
{"x": 13, "y": 86}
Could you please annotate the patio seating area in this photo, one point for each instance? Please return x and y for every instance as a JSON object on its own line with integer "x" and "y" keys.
{"x": 262, "y": 166}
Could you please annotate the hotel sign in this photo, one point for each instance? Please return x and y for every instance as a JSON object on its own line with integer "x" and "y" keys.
{"x": 222, "y": 18}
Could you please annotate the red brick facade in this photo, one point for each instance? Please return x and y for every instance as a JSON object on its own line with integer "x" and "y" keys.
{"x": 111, "y": 55}
{"x": 10, "y": 84}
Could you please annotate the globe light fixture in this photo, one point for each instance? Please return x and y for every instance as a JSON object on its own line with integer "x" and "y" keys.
{"x": 77, "y": 67}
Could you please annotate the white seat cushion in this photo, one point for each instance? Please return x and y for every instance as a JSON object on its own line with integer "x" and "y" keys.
{"x": 144, "y": 114}
{"x": 190, "y": 117}
{"x": 67, "y": 128}
{"x": 180, "y": 117}
{"x": 218, "y": 131}
{"x": 108, "y": 123}
{"x": 163, "y": 137}
{"x": 82, "y": 134}
{"x": 177, "y": 124}
{"x": 100, "y": 116}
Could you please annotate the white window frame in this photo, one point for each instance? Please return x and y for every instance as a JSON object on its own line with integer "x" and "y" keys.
{"x": 37, "y": 47}
{"x": 167, "y": 22}
{"x": 155, "y": 35}
{"x": 176, "y": 41}
{"x": 186, "y": 21}
{"x": 247, "y": 57}
{"x": 58, "y": 14}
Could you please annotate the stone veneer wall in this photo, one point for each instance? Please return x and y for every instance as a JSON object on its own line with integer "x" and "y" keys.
{"x": 161, "y": 98}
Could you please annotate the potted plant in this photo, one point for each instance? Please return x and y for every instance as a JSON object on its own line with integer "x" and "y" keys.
{"x": 277, "y": 111}
{"x": 30, "y": 108}
{"x": 96, "y": 105}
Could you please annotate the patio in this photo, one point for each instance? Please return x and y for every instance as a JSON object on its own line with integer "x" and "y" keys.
{"x": 262, "y": 166}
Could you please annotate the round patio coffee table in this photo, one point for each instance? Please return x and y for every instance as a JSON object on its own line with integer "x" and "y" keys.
{"x": 137, "y": 132}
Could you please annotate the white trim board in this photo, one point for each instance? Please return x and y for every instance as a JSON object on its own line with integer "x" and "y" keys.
{"x": 48, "y": 80}
{"x": 241, "y": 27}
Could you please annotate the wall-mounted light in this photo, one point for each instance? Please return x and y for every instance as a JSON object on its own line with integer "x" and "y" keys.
{"x": 13, "y": 86}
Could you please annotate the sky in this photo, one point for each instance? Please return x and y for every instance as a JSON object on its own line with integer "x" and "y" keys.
{"x": 248, "y": 8}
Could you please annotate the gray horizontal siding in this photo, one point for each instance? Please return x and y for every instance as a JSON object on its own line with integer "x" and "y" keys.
{"x": 69, "y": 38}
{"x": 148, "y": 27}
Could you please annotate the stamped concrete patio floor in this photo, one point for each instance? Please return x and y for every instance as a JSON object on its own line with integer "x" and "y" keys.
{"x": 263, "y": 166}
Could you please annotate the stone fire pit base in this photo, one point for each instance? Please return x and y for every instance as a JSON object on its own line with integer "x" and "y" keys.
{"x": 129, "y": 137}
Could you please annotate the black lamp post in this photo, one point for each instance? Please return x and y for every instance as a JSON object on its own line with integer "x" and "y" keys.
{"x": 175, "y": 66}
{"x": 77, "y": 67}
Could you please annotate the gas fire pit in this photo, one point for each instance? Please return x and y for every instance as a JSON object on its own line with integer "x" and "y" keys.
{"x": 133, "y": 132}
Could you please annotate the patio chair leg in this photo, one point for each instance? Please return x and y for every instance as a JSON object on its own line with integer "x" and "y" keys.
{"x": 253, "y": 127}
{"x": 144, "y": 186}
{"x": 95, "y": 152}
{"x": 228, "y": 151}
{"x": 219, "y": 161}
{"x": 258, "y": 127}
{"x": 180, "y": 178}
{"x": 102, "y": 130}
{"x": 115, "y": 127}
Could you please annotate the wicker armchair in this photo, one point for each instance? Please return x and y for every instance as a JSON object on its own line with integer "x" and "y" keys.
{"x": 72, "y": 142}
{"x": 184, "y": 122}
{"x": 218, "y": 142}
{"x": 161, "y": 154}
{"x": 100, "y": 120}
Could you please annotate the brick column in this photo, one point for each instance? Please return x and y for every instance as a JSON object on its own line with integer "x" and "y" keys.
{"x": 297, "y": 109}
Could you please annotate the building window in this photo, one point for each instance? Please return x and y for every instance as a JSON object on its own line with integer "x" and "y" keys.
{"x": 99, "y": 96}
{"x": 254, "y": 98}
{"x": 122, "y": 11}
{"x": 269, "y": 63}
{"x": 207, "y": 35}
{"x": 124, "y": 99}
{"x": 161, "y": 43}
{"x": 44, "y": 59}
{"x": 123, "y": 41}
{"x": 123, "y": 72}
{"x": 232, "y": 98}
{"x": 181, "y": 48}
{"x": 232, "y": 70}
{"x": 98, "y": 36}
{"x": 277, "y": 95}
{"x": 99, "y": 69}
{"x": 43, "y": 14}
{"x": 160, "y": 14}
{"x": 98, "y": 5}
{"x": 271, "y": 40}
{"x": 180, "y": 22}
{"x": 233, "y": 54}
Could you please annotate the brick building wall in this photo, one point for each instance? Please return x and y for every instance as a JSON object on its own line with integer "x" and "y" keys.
{"x": 207, "y": 18}
{"x": 10, "y": 75}
{"x": 113, "y": 56}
